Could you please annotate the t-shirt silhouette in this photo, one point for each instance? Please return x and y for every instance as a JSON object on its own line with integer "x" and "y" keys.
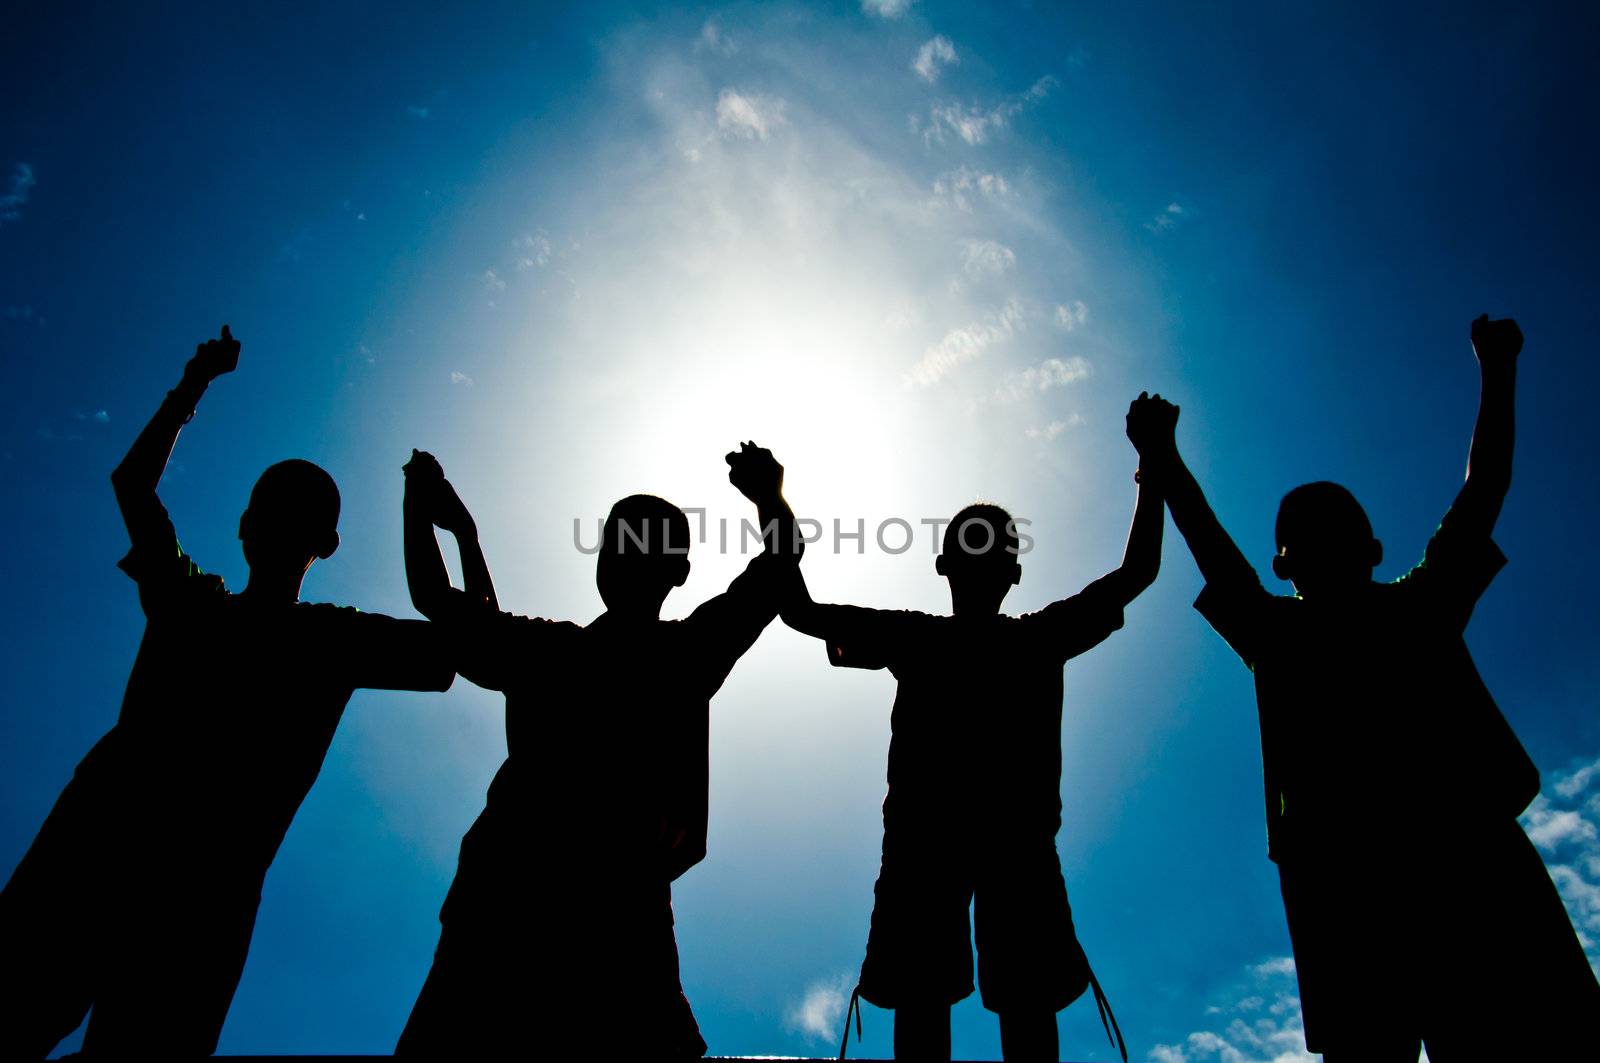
{"x": 976, "y": 724}
{"x": 1374, "y": 721}
{"x": 607, "y": 738}
{"x": 232, "y": 704}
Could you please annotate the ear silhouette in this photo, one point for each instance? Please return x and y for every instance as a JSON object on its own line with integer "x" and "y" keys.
{"x": 245, "y": 521}
{"x": 327, "y": 546}
{"x": 1016, "y": 573}
{"x": 680, "y": 576}
{"x": 1282, "y": 567}
{"x": 1375, "y": 551}
{"x": 938, "y": 565}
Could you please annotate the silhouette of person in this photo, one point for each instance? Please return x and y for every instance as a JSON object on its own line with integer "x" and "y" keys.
{"x": 974, "y": 798}
{"x": 558, "y": 927}
{"x": 138, "y": 897}
{"x": 1418, "y": 910}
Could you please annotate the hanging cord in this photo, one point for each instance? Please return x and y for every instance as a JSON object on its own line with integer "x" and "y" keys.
{"x": 1107, "y": 1019}
{"x": 855, "y": 1006}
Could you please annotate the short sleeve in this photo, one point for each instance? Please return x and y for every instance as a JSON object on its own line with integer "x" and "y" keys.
{"x": 1077, "y": 624}
{"x": 379, "y": 652}
{"x": 165, "y": 575}
{"x": 1239, "y": 613}
{"x": 1456, "y": 568}
{"x": 491, "y": 649}
{"x": 870, "y": 638}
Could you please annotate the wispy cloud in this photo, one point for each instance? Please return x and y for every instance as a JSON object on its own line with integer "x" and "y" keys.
{"x": 966, "y": 343}
{"x": 976, "y": 125}
{"x": 1050, "y": 373}
{"x": 1053, "y": 429}
{"x": 712, "y": 39}
{"x": 1073, "y": 315}
{"x": 493, "y": 281}
{"x": 1564, "y": 822}
{"x": 533, "y": 250}
{"x": 981, "y": 258}
{"x": 458, "y": 377}
{"x": 886, "y": 8}
{"x": 1167, "y": 219}
{"x": 748, "y": 117}
{"x": 1260, "y": 1024}
{"x": 821, "y": 1008}
{"x": 419, "y": 113}
{"x": 962, "y": 186}
{"x": 932, "y": 55}
{"x": 18, "y": 187}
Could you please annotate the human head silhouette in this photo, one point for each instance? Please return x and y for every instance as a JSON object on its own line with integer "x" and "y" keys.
{"x": 1325, "y": 541}
{"x": 644, "y": 553}
{"x": 292, "y": 518}
{"x": 979, "y": 558}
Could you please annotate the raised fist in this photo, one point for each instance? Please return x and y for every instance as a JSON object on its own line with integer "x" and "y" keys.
{"x": 425, "y": 483}
{"x": 1152, "y": 424}
{"x": 215, "y": 357}
{"x": 1496, "y": 342}
{"x": 755, "y": 472}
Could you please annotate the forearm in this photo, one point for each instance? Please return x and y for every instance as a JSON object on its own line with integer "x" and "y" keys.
{"x": 426, "y": 576}
{"x": 1215, "y": 554}
{"x": 475, "y": 569}
{"x": 778, "y": 524}
{"x": 1489, "y": 460}
{"x": 1141, "y": 557}
{"x": 139, "y": 472}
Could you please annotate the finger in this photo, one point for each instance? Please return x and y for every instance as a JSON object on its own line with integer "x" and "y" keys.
{"x": 226, "y": 334}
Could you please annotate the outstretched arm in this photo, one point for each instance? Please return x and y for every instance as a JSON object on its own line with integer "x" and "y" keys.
{"x": 136, "y": 478}
{"x": 1219, "y": 559}
{"x": 431, "y": 500}
{"x": 1477, "y": 506}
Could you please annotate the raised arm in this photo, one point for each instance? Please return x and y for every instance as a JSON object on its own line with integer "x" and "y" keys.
{"x": 1141, "y": 558}
{"x": 431, "y": 501}
{"x": 1219, "y": 559}
{"x": 135, "y": 479}
{"x": 1477, "y": 506}
{"x": 759, "y": 477}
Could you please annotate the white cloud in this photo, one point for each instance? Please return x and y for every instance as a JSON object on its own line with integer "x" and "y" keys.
{"x": 1167, "y": 219}
{"x": 419, "y": 113}
{"x": 961, "y": 186}
{"x": 712, "y": 39}
{"x": 821, "y": 1008}
{"x": 1050, "y": 373}
{"x": 986, "y": 257}
{"x": 458, "y": 377}
{"x": 101, "y": 417}
{"x": 1048, "y": 432}
{"x": 976, "y": 125}
{"x": 18, "y": 188}
{"x": 1564, "y": 822}
{"x": 493, "y": 281}
{"x": 748, "y": 117}
{"x": 1248, "y": 1036}
{"x": 934, "y": 53}
{"x": 1073, "y": 315}
{"x": 886, "y": 8}
{"x": 965, "y": 343}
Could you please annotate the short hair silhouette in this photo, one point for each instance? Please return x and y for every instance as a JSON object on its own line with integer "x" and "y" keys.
{"x": 648, "y": 523}
{"x": 293, "y": 510}
{"x": 1000, "y": 532}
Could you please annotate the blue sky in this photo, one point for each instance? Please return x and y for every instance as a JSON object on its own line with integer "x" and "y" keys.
{"x": 926, "y": 252}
